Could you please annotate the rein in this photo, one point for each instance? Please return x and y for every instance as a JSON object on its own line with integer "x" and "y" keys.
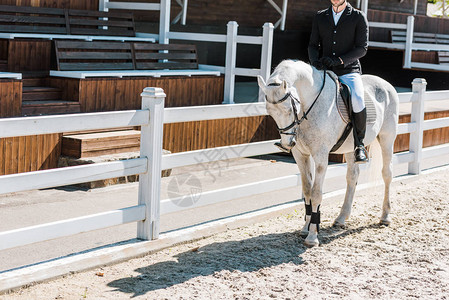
{"x": 297, "y": 121}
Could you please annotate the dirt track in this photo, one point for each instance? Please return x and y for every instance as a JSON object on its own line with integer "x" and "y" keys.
{"x": 408, "y": 259}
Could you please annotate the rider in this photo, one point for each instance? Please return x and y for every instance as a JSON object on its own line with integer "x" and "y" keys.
{"x": 341, "y": 34}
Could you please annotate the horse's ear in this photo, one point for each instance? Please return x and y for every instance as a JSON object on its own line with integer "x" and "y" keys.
{"x": 261, "y": 83}
{"x": 284, "y": 85}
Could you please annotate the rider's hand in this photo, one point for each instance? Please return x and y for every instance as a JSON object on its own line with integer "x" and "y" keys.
{"x": 330, "y": 62}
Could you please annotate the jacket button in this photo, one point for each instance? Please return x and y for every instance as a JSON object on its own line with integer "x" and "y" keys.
{"x": 335, "y": 31}
{"x": 333, "y": 53}
{"x": 335, "y": 43}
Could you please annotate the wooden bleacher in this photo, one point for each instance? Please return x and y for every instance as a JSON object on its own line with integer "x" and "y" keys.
{"x": 58, "y": 23}
{"x": 31, "y": 41}
{"x": 79, "y": 59}
{"x": 441, "y": 57}
{"x": 399, "y": 36}
{"x": 88, "y": 56}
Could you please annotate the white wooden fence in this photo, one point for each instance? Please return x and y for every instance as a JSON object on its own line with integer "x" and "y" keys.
{"x": 409, "y": 45}
{"x": 151, "y": 118}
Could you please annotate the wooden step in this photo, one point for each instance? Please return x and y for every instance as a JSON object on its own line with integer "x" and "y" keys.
{"x": 3, "y": 65}
{"x": 38, "y": 81}
{"x": 30, "y": 93}
{"x": 100, "y": 143}
{"x": 35, "y": 74}
{"x": 49, "y": 107}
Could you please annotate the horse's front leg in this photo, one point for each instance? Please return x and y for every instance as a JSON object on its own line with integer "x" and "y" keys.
{"x": 321, "y": 161}
{"x": 304, "y": 163}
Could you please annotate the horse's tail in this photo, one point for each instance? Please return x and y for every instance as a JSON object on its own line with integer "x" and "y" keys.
{"x": 374, "y": 170}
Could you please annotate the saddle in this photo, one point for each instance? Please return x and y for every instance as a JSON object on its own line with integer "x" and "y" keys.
{"x": 345, "y": 99}
{"x": 345, "y": 109}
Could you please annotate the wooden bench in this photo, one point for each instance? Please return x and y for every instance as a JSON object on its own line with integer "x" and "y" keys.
{"x": 399, "y": 36}
{"x": 80, "y": 59}
{"x": 57, "y": 23}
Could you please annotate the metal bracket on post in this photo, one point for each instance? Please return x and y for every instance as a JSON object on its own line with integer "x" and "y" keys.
{"x": 151, "y": 147}
{"x": 417, "y": 117}
{"x": 231, "y": 55}
{"x": 182, "y": 14}
{"x": 164, "y": 22}
{"x": 409, "y": 42}
{"x": 282, "y": 12}
{"x": 267, "y": 51}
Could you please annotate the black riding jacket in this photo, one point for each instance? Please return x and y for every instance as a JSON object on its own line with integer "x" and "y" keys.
{"x": 347, "y": 40}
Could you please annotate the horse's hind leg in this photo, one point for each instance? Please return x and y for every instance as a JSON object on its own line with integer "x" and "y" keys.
{"x": 352, "y": 175}
{"x": 386, "y": 141}
{"x": 304, "y": 163}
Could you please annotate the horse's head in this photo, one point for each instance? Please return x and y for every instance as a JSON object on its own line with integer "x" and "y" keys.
{"x": 282, "y": 104}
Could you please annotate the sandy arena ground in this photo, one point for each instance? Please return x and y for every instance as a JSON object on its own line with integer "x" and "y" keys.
{"x": 407, "y": 260}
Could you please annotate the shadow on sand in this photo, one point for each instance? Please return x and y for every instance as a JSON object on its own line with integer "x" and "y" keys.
{"x": 247, "y": 255}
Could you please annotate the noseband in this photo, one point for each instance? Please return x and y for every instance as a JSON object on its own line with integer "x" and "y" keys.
{"x": 297, "y": 121}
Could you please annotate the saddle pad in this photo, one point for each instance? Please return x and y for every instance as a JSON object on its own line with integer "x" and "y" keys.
{"x": 370, "y": 110}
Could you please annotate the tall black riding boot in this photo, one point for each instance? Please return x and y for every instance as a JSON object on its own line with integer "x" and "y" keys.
{"x": 360, "y": 153}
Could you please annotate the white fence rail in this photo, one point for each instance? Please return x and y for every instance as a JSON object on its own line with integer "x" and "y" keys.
{"x": 151, "y": 117}
{"x": 409, "y": 46}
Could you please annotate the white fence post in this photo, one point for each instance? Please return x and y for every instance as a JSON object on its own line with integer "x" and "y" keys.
{"x": 102, "y": 5}
{"x": 231, "y": 55}
{"x": 284, "y": 14}
{"x": 164, "y": 21}
{"x": 151, "y": 148}
{"x": 409, "y": 42}
{"x": 417, "y": 116}
{"x": 364, "y": 7}
{"x": 267, "y": 51}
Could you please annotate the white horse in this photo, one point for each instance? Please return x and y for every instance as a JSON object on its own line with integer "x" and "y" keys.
{"x": 310, "y": 137}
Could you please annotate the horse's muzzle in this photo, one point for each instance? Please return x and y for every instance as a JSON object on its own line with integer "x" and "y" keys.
{"x": 285, "y": 149}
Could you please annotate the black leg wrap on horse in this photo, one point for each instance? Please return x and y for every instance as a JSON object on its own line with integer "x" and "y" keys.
{"x": 315, "y": 218}
{"x": 308, "y": 210}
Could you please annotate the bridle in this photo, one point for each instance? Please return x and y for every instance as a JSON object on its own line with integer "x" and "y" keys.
{"x": 293, "y": 99}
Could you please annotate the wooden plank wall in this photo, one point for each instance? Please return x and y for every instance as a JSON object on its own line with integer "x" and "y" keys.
{"x": 422, "y": 24}
{"x": 3, "y": 49}
{"x": 431, "y": 137}
{"x": 29, "y": 56}
{"x": 179, "y": 137}
{"x": 74, "y": 4}
{"x": 10, "y": 98}
{"x": 430, "y": 57}
{"x": 29, "y": 153}
{"x": 254, "y": 13}
{"x": 248, "y": 13}
{"x": 111, "y": 94}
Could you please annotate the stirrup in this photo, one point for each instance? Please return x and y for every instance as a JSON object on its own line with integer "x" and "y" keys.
{"x": 361, "y": 155}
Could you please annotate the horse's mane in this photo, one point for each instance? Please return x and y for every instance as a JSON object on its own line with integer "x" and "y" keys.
{"x": 290, "y": 71}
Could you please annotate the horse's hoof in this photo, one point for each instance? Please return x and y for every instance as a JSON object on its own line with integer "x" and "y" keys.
{"x": 338, "y": 225}
{"x": 385, "y": 222}
{"x": 303, "y": 234}
{"x": 311, "y": 243}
